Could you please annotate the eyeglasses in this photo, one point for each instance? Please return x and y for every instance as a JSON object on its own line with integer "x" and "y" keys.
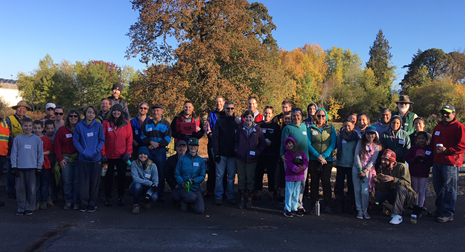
{"x": 73, "y": 116}
{"x": 229, "y": 108}
{"x": 50, "y": 109}
{"x": 143, "y": 108}
{"x": 56, "y": 113}
{"x": 320, "y": 116}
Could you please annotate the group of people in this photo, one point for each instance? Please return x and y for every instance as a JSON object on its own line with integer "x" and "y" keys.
{"x": 387, "y": 162}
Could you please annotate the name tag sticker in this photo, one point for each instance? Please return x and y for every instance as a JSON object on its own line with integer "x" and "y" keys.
{"x": 149, "y": 129}
{"x": 90, "y": 134}
{"x": 196, "y": 164}
{"x": 27, "y": 146}
{"x": 69, "y": 135}
{"x": 299, "y": 157}
{"x": 304, "y": 133}
{"x": 264, "y": 131}
{"x": 110, "y": 129}
{"x": 148, "y": 176}
{"x": 405, "y": 124}
{"x": 136, "y": 132}
{"x": 428, "y": 152}
{"x": 367, "y": 148}
{"x": 344, "y": 141}
{"x": 314, "y": 133}
{"x": 437, "y": 133}
{"x": 252, "y": 153}
{"x": 401, "y": 141}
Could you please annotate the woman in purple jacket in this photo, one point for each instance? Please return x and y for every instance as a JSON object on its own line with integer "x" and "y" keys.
{"x": 248, "y": 145}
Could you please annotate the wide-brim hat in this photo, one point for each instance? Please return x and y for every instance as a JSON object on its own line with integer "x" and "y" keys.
{"x": 404, "y": 99}
{"x": 22, "y": 103}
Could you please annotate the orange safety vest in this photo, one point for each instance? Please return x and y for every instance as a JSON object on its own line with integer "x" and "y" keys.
{"x": 4, "y": 136}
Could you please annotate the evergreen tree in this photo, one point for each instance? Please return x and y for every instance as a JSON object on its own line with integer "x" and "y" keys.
{"x": 379, "y": 62}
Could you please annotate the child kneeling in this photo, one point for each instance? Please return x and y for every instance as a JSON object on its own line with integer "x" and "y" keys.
{"x": 296, "y": 164}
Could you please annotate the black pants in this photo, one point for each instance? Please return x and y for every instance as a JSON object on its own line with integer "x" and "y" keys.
{"x": 342, "y": 173}
{"x": 399, "y": 197}
{"x": 268, "y": 162}
{"x": 121, "y": 169}
{"x": 325, "y": 176}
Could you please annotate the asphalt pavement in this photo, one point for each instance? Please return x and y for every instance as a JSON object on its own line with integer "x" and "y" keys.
{"x": 226, "y": 228}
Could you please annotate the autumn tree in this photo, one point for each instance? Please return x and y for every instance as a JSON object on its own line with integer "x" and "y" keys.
{"x": 380, "y": 63}
{"x": 222, "y": 47}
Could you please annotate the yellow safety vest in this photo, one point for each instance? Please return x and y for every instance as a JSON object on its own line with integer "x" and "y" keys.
{"x": 16, "y": 128}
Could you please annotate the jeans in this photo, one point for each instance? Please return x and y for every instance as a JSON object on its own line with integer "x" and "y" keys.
{"x": 25, "y": 182}
{"x": 90, "y": 179}
{"x": 227, "y": 164}
{"x": 138, "y": 190}
{"x": 292, "y": 195}
{"x": 399, "y": 197}
{"x": 71, "y": 181}
{"x": 194, "y": 198}
{"x": 361, "y": 189}
{"x": 158, "y": 156}
{"x": 42, "y": 185}
{"x": 445, "y": 185}
{"x": 121, "y": 169}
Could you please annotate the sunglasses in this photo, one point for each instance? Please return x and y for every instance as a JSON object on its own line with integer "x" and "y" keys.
{"x": 50, "y": 109}
{"x": 56, "y": 113}
{"x": 73, "y": 116}
{"x": 320, "y": 116}
{"x": 143, "y": 108}
{"x": 229, "y": 108}
{"x": 269, "y": 107}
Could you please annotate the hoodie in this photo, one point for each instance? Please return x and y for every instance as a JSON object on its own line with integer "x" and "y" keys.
{"x": 309, "y": 120}
{"x": 89, "y": 140}
{"x": 322, "y": 141}
{"x": 292, "y": 170}
{"x": 399, "y": 141}
{"x": 299, "y": 134}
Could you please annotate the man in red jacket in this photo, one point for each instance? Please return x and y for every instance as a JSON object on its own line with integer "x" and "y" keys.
{"x": 449, "y": 140}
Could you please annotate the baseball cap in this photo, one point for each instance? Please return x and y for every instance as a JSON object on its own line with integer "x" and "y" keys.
{"x": 448, "y": 109}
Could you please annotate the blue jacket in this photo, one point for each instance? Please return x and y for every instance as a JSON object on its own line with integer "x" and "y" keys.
{"x": 159, "y": 132}
{"x": 190, "y": 167}
{"x": 137, "y": 129}
{"x": 89, "y": 140}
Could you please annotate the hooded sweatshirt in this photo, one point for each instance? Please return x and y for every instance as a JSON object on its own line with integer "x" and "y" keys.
{"x": 299, "y": 134}
{"x": 322, "y": 141}
{"x": 309, "y": 120}
{"x": 399, "y": 141}
{"x": 89, "y": 140}
{"x": 292, "y": 170}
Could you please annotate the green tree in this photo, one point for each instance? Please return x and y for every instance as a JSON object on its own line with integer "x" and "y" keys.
{"x": 383, "y": 70}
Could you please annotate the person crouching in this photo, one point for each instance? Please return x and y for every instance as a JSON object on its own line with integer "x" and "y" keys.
{"x": 145, "y": 180}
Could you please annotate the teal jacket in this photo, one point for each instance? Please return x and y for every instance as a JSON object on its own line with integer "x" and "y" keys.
{"x": 398, "y": 142}
{"x": 321, "y": 141}
{"x": 299, "y": 134}
{"x": 190, "y": 167}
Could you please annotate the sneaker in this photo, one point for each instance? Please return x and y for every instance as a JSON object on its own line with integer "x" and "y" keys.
{"x": 19, "y": 213}
{"x": 366, "y": 216}
{"x": 107, "y": 202}
{"x": 360, "y": 215}
{"x": 297, "y": 213}
{"x": 83, "y": 209}
{"x": 232, "y": 201}
{"x": 184, "y": 206}
{"x": 91, "y": 209}
{"x": 43, "y": 205}
{"x": 29, "y": 212}
{"x": 288, "y": 214}
{"x": 444, "y": 219}
{"x": 135, "y": 209}
{"x": 120, "y": 201}
{"x": 301, "y": 211}
{"x": 76, "y": 206}
{"x": 396, "y": 219}
{"x": 218, "y": 202}
{"x": 67, "y": 206}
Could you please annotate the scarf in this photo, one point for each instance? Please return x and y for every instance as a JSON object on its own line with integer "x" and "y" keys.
{"x": 345, "y": 136}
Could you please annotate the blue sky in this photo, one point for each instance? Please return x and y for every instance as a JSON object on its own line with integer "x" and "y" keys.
{"x": 95, "y": 30}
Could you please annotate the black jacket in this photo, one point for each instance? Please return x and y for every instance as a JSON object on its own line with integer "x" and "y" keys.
{"x": 169, "y": 171}
{"x": 223, "y": 136}
{"x": 272, "y": 132}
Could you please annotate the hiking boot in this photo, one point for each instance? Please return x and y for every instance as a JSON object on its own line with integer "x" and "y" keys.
{"x": 360, "y": 215}
{"x": 43, "y": 205}
{"x": 91, "y": 209}
{"x": 135, "y": 209}
{"x": 29, "y": 212}
{"x": 444, "y": 219}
